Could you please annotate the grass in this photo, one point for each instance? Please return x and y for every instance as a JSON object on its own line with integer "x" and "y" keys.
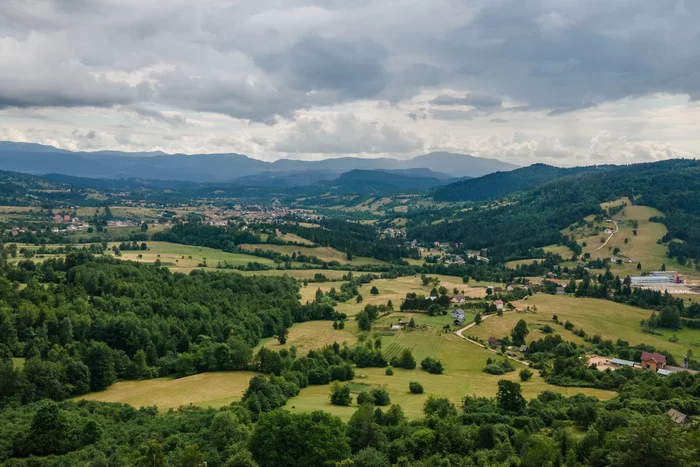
{"x": 321, "y": 252}
{"x": 609, "y": 319}
{"x": 313, "y": 335}
{"x": 206, "y": 389}
{"x": 463, "y": 376}
{"x": 171, "y": 255}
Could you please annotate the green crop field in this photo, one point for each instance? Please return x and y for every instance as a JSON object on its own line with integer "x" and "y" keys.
{"x": 609, "y": 319}
{"x": 205, "y": 389}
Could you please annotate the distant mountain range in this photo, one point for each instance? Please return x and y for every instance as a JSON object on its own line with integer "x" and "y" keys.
{"x": 500, "y": 184}
{"x": 39, "y": 159}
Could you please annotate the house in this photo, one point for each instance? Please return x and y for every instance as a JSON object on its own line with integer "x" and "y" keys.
{"x": 458, "y": 314}
{"x": 484, "y": 252}
{"x": 66, "y": 218}
{"x": 404, "y": 322}
{"x": 498, "y": 304}
{"x": 679, "y": 417}
{"x": 560, "y": 290}
{"x": 57, "y": 218}
{"x": 523, "y": 348}
{"x": 498, "y": 289}
{"x": 494, "y": 342}
{"x": 458, "y": 299}
{"x": 653, "y": 361}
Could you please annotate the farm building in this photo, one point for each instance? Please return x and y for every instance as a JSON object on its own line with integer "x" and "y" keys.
{"x": 395, "y": 327}
{"x": 458, "y": 314}
{"x": 621, "y": 362}
{"x": 458, "y": 299}
{"x": 498, "y": 304}
{"x": 494, "y": 342}
{"x": 650, "y": 280}
{"x": 560, "y": 290}
{"x": 679, "y": 417}
{"x": 653, "y": 361}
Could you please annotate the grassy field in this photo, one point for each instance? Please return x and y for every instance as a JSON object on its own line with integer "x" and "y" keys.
{"x": 463, "y": 375}
{"x": 321, "y": 252}
{"x": 171, "y": 255}
{"x": 313, "y": 335}
{"x": 609, "y": 319}
{"x": 205, "y": 389}
{"x": 289, "y": 237}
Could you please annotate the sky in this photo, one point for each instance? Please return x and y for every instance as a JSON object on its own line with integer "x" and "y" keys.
{"x": 565, "y": 82}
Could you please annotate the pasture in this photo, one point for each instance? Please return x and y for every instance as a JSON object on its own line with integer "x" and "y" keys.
{"x": 595, "y": 316}
{"x": 205, "y": 389}
{"x": 463, "y": 362}
{"x": 313, "y": 335}
{"x": 184, "y": 258}
{"x": 322, "y": 252}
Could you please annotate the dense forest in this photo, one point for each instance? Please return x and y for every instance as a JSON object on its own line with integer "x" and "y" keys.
{"x": 84, "y": 322}
{"x": 501, "y": 184}
{"x": 535, "y": 217}
{"x": 354, "y": 239}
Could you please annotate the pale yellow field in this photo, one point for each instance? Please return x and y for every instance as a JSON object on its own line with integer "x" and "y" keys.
{"x": 314, "y": 335}
{"x": 321, "y": 252}
{"x": 205, "y": 389}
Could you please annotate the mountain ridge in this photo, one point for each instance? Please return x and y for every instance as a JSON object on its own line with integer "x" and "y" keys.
{"x": 40, "y": 160}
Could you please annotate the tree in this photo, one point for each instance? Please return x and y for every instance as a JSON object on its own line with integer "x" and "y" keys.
{"x": 405, "y": 361}
{"x": 525, "y": 374}
{"x": 477, "y": 319}
{"x": 540, "y": 451}
{"x": 340, "y": 394}
{"x": 144, "y": 227}
{"x": 639, "y": 266}
{"x": 519, "y": 332}
{"x": 359, "y": 299}
{"x": 381, "y": 396}
{"x": 370, "y": 457}
{"x": 509, "y": 396}
{"x": 374, "y": 290}
{"x": 584, "y": 414}
{"x": 153, "y": 455}
{"x": 100, "y": 362}
{"x": 415, "y": 387}
{"x": 364, "y": 322}
{"x": 364, "y": 431}
{"x": 283, "y": 439}
{"x": 282, "y": 335}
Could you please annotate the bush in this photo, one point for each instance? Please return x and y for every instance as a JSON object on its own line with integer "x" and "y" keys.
{"x": 415, "y": 387}
{"x": 365, "y": 397}
{"x": 405, "y": 361}
{"x": 432, "y": 366}
{"x": 494, "y": 369}
{"x": 525, "y": 374}
{"x": 341, "y": 395}
{"x": 389, "y": 371}
{"x": 381, "y": 396}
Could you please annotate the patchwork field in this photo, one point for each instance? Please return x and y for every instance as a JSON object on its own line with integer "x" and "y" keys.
{"x": 609, "y": 319}
{"x": 205, "y": 389}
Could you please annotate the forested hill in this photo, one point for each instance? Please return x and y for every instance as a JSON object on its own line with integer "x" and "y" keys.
{"x": 537, "y": 217}
{"x": 500, "y": 184}
{"x": 378, "y": 182}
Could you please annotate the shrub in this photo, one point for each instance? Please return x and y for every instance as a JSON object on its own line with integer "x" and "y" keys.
{"x": 365, "y": 397}
{"x": 415, "y": 387}
{"x": 341, "y": 395}
{"x": 432, "y": 366}
{"x": 381, "y": 396}
{"x": 525, "y": 374}
{"x": 389, "y": 371}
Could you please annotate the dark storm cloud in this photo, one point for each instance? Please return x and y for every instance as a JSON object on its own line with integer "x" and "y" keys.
{"x": 261, "y": 60}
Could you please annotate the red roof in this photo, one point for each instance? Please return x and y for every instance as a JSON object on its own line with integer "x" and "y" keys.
{"x": 654, "y": 357}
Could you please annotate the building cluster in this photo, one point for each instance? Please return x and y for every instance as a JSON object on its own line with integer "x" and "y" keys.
{"x": 657, "y": 278}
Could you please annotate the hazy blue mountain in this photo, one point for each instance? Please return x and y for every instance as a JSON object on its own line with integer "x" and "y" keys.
{"x": 39, "y": 159}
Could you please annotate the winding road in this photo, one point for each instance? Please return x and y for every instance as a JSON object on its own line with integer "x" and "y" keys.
{"x": 460, "y": 332}
{"x": 611, "y": 235}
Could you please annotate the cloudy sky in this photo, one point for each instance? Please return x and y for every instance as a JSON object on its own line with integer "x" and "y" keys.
{"x": 567, "y": 82}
